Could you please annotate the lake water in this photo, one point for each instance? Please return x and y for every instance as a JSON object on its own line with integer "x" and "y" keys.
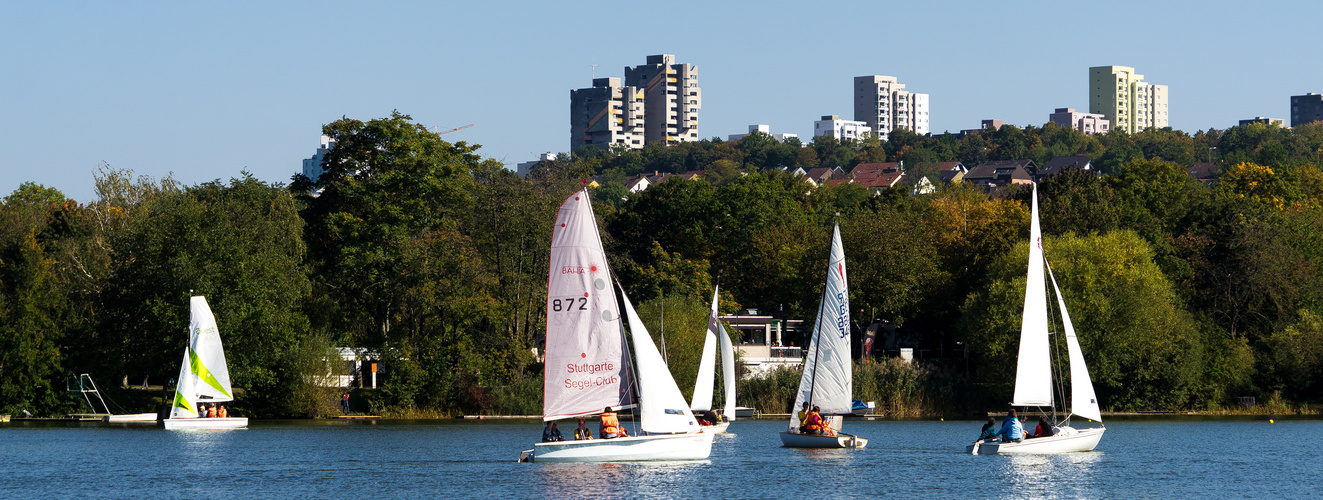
{"x": 1178, "y": 457}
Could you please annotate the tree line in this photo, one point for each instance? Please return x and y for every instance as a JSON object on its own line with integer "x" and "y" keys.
{"x": 433, "y": 259}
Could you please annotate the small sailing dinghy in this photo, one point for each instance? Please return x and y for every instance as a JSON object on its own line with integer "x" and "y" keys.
{"x": 707, "y": 373}
{"x": 587, "y": 366}
{"x": 827, "y": 378}
{"x": 204, "y": 377}
{"x": 1033, "y": 373}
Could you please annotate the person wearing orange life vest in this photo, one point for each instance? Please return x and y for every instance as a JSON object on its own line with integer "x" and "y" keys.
{"x": 816, "y": 424}
{"x": 211, "y": 411}
{"x": 222, "y": 412}
{"x": 611, "y": 425}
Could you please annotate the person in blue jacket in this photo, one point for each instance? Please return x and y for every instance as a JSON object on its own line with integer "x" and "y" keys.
{"x": 989, "y": 431}
{"x": 1011, "y": 429}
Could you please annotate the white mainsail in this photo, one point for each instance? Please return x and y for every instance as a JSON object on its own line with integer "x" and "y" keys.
{"x": 208, "y": 355}
{"x": 727, "y": 371}
{"x": 707, "y": 370}
{"x": 1083, "y": 401}
{"x": 827, "y": 381}
{"x": 1033, "y": 374}
{"x": 662, "y": 409}
{"x": 585, "y": 370}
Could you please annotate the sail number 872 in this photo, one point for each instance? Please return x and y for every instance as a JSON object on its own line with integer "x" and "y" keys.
{"x": 569, "y": 304}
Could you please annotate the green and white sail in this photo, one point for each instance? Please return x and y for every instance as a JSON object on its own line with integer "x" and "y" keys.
{"x": 204, "y": 376}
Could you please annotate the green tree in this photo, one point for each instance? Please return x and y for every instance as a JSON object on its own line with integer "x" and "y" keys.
{"x": 240, "y": 246}
{"x": 30, "y": 329}
{"x": 386, "y": 182}
{"x": 1142, "y": 349}
{"x": 33, "y": 194}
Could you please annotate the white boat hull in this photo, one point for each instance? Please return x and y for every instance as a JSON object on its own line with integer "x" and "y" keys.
{"x": 797, "y": 440}
{"x": 205, "y": 423}
{"x": 1067, "y": 440}
{"x": 133, "y": 417}
{"x": 696, "y": 446}
{"x": 718, "y": 428}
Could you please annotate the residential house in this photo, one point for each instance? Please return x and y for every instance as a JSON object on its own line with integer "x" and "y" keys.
{"x": 951, "y": 171}
{"x": 821, "y": 174}
{"x": 1002, "y": 172}
{"x": 692, "y": 175}
{"x": 887, "y": 179}
{"x": 1204, "y": 172}
{"x": 1056, "y": 165}
{"x": 874, "y": 169}
{"x": 919, "y": 184}
{"x": 637, "y": 183}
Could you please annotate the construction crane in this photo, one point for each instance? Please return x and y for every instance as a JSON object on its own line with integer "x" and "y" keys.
{"x": 456, "y": 129}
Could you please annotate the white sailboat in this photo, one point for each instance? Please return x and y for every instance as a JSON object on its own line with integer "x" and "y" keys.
{"x": 827, "y": 378}
{"x": 702, "y": 398}
{"x": 1033, "y": 374}
{"x": 587, "y": 367}
{"x": 204, "y": 377}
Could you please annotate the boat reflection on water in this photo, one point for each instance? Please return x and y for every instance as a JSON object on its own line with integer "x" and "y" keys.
{"x": 1060, "y": 475}
{"x": 627, "y": 479}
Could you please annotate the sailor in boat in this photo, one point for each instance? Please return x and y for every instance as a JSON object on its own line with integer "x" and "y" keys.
{"x": 1044, "y": 429}
{"x": 551, "y": 433}
{"x": 582, "y": 432}
{"x": 611, "y": 425}
{"x": 816, "y": 425}
{"x": 989, "y": 432}
{"x": 803, "y": 418}
{"x": 1011, "y": 429}
{"x": 707, "y": 418}
{"x": 222, "y": 412}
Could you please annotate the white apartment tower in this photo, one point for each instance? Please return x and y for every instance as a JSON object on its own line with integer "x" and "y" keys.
{"x": 671, "y": 99}
{"x": 885, "y": 105}
{"x": 312, "y": 167}
{"x": 1120, "y": 95}
{"x": 606, "y": 114}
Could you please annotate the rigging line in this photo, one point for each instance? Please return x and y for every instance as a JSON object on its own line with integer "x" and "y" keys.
{"x": 817, "y": 335}
{"x": 635, "y": 398}
{"x": 1055, "y": 345}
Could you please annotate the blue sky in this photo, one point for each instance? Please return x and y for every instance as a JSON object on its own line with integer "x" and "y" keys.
{"x": 205, "y": 91}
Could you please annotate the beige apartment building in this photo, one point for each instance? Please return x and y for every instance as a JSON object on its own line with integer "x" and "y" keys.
{"x": 606, "y": 114}
{"x": 882, "y": 103}
{"x": 672, "y": 98}
{"x": 1120, "y": 95}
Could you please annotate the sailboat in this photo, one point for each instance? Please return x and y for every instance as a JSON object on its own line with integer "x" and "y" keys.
{"x": 204, "y": 377}
{"x": 1033, "y": 373}
{"x": 702, "y": 399}
{"x": 587, "y": 366}
{"x": 827, "y": 378}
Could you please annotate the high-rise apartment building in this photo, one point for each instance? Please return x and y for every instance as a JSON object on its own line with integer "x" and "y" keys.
{"x": 671, "y": 99}
{"x": 885, "y": 105}
{"x": 1120, "y": 95}
{"x": 1306, "y": 109}
{"x": 1089, "y": 123}
{"x": 606, "y": 114}
{"x": 312, "y": 167}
